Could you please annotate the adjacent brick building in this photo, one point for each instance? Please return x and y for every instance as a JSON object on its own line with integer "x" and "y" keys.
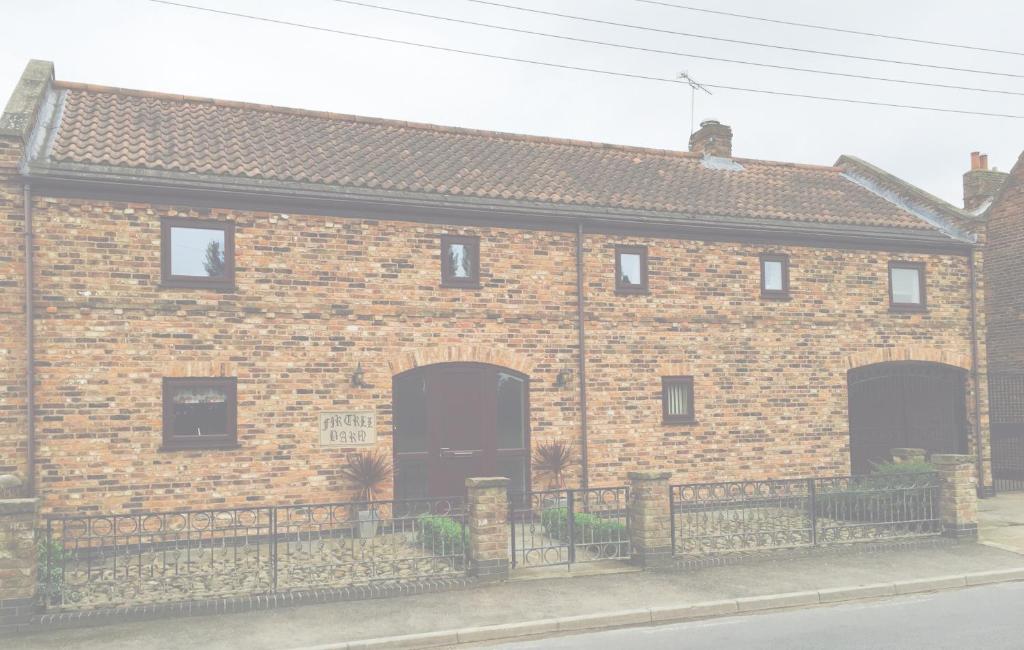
{"x": 733, "y": 313}
{"x": 1004, "y": 268}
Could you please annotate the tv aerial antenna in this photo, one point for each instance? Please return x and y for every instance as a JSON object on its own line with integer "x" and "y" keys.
{"x": 694, "y": 87}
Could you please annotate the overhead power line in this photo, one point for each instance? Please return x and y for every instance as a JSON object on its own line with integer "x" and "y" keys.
{"x": 562, "y": 66}
{"x": 841, "y": 30}
{"x": 742, "y": 42}
{"x": 691, "y": 55}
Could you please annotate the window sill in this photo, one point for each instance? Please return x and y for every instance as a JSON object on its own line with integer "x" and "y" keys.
{"x": 631, "y": 292}
{"x": 781, "y": 296}
{"x": 191, "y": 286}
{"x": 214, "y": 447}
{"x": 461, "y": 285}
{"x": 673, "y": 423}
{"x": 908, "y": 309}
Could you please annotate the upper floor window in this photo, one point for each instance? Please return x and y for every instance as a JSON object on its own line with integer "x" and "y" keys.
{"x": 774, "y": 276}
{"x": 200, "y": 412}
{"x": 631, "y": 269}
{"x": 460, "y": 261}
{"x": 677, "y": 400}
{"x": 907, "y": 286}
{"x": 197, "y": 253}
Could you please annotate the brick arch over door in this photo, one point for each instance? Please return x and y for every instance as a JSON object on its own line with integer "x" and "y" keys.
{"x": 919, "y": 404}
{"x": 486, "y": 354}
{"x": 908, "y": 353}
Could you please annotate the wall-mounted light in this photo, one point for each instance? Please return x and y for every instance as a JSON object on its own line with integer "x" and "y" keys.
{"x": 563, "y": 378}
{"x": 358, "y": 378}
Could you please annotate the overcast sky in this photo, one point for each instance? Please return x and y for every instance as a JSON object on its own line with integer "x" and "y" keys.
{"x": 139, "y": 44}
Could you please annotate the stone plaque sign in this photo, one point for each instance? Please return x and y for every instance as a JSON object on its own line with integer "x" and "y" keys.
{"x": 351, "y": 429}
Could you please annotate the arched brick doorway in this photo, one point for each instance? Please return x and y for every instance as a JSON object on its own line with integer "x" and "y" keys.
{"x": 906, "y": 404}
{"x": 456, "y": 420}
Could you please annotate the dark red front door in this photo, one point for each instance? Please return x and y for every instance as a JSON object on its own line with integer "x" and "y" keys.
{"x": 460, "y": 412}
{"x": 458, "y": 420}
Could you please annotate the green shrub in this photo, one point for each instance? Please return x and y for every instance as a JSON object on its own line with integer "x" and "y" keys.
{"x": 588, "y": 528}
{"x": 442, "y": 535}
{"x": 50, "y": 582}
{"x": 892, "y": 492}
{"x": 891, "y": 469}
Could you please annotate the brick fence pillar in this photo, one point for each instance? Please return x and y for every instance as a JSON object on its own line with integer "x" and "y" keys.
{"x": 650, "y": 518}
{"x": 907, "y": 455}
{"x": 958, "y": 495}
{"x": 488, "y": 528}
{"x": 17, "y": 563}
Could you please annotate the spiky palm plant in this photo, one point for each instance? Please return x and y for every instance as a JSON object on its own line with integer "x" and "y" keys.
{"x": 368, "y": 471}
{"x": 552, "y": 459}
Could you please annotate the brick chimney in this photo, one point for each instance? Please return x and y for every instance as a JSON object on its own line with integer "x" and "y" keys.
{"x": 981, "y": 183}
{"x": 712, "y": 138}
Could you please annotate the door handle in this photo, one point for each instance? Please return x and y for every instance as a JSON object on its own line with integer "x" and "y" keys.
{"x": 456, "y": 453}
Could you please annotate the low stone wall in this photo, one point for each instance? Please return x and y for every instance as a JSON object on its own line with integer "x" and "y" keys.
{"x": 17, "y": 563}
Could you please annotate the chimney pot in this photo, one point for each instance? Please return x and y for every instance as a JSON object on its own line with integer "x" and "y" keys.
{"x": 712, "y": 138}
{"x": 980, "y": 183}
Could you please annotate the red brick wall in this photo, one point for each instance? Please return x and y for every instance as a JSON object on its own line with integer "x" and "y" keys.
{"x": 1004, "y": 271}
{"x": 317, "y": 295}
{"x": 12, "y": 312}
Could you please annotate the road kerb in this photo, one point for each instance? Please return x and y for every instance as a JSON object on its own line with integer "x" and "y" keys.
{"x": 670, "y": 614}
{"x": 989, "y": 577}
{"x": 604, "y": 620}
{"x": 930, "y": 584}
{"x": 407, "y": 641}
{"x": 776, "y": 601}
{"x": 842, "y": 594}
{"x": 708, "y": 609}
{"x": 508, "y": 630}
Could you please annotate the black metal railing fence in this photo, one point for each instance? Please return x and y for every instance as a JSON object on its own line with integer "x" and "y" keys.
{"x": 99, "y": 561}
{"x": 747, "y": 516}
{"x": 566, "y": 526}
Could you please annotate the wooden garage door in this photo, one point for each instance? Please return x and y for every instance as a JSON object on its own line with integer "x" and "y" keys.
{"x": 906, "y": 404}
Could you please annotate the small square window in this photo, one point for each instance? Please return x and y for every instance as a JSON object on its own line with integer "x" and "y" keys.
{"x": 631, "y": 269}
{"x": 200, "y": 412}
{"x": 460, "y": 261}
{"x": 677, "y": 400}
{"x": 774, "y": 276}
{"x": 196, "y": 253}
{"x": 907, "y": 286}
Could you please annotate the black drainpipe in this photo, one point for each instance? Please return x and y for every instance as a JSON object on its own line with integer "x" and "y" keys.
{"x": 30, "y": 368}
{"x": 975, "y": 375}
{"x": 585, "y": 478}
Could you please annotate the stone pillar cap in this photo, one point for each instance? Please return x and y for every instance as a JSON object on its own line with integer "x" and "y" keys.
{"x": 648, "y": 475}
{"x": 952, "y": 459}
{"x": 487, "y": 481}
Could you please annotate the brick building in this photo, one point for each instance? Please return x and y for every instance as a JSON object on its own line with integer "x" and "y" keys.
{"x": 228, "y": 300}
{"x": 1002, "y": 200}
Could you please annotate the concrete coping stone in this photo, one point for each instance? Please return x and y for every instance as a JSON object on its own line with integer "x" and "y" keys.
{"x": 487, "y": 481}
{"x": 9, "y": 481}
{"x": 952, "y": 459}
{"x": 648, "y": 475}
{"x": 906, "y": 453}
{"x": 18, "y": 506}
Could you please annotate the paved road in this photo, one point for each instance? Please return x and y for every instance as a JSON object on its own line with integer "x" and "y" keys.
{"x": 980, "y": 617}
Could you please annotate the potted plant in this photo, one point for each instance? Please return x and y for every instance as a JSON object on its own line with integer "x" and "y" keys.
{"x": 368, "y": 472}
{"x": 551, "y": 460}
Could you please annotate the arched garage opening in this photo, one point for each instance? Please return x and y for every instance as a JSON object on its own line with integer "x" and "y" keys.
{"x": 906, "y": 404}
{"x": 457, "y": 420}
